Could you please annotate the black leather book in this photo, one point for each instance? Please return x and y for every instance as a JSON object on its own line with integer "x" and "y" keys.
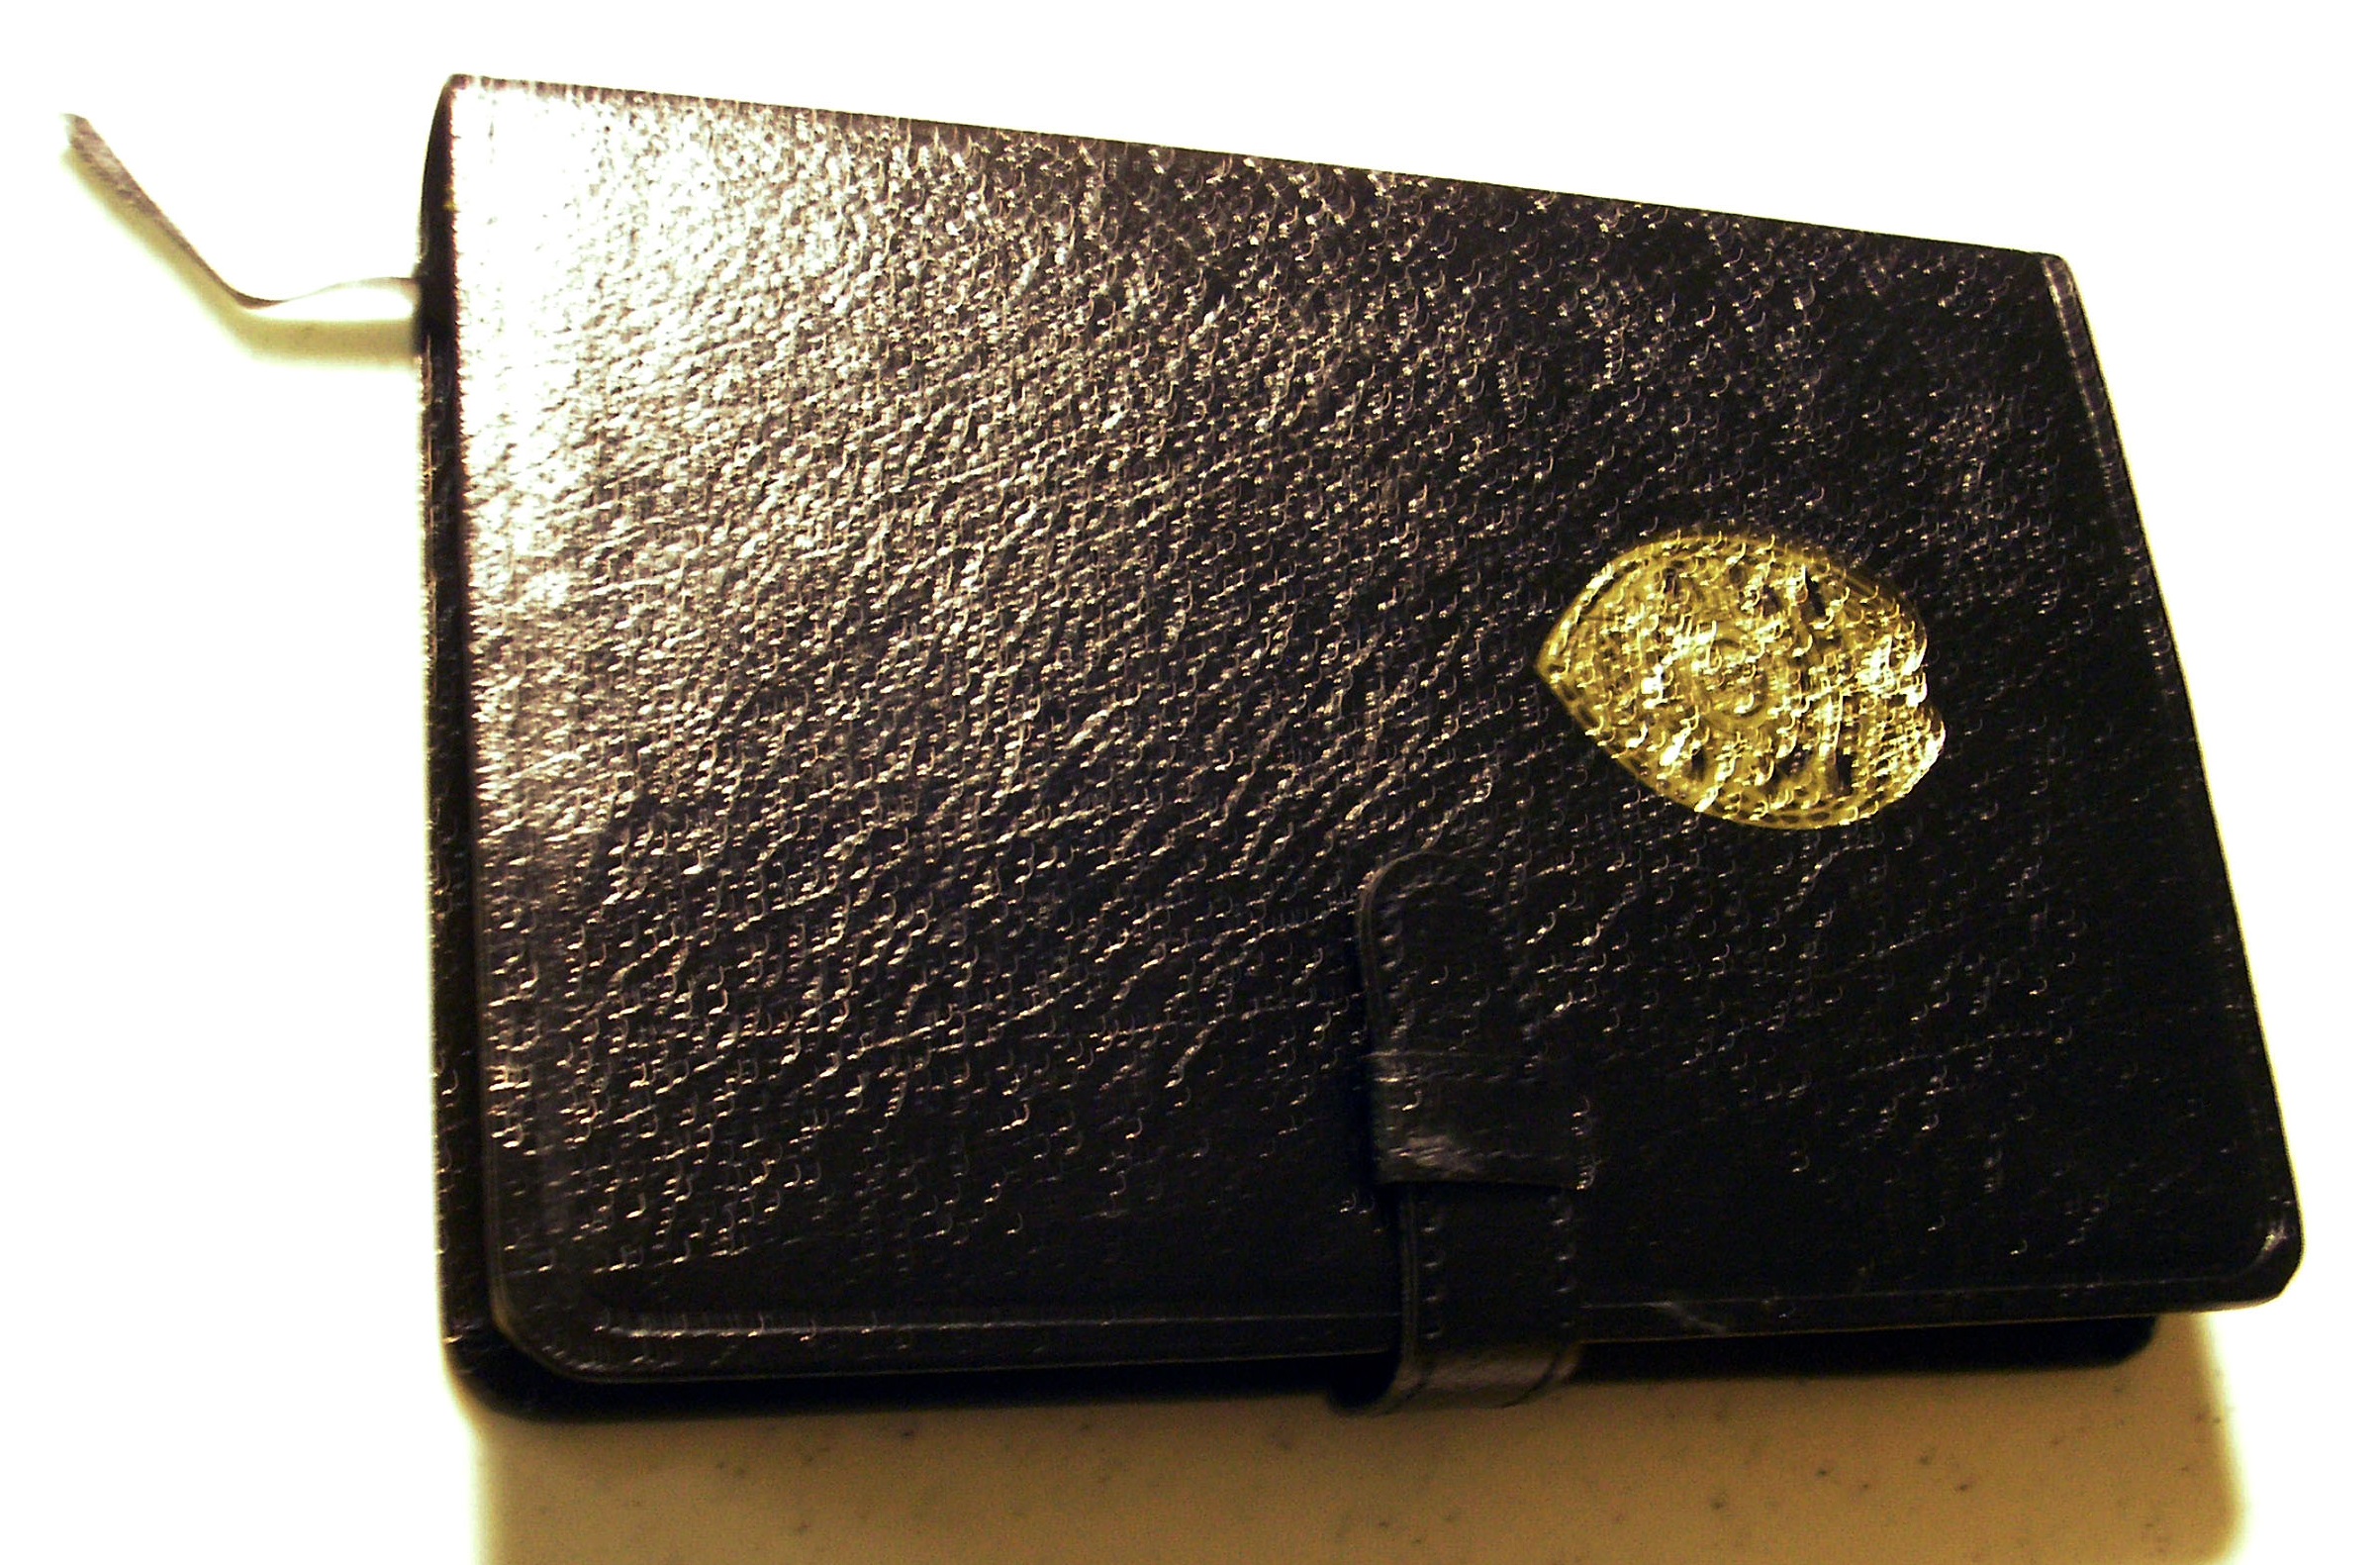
{"x": 1059, "y": 755}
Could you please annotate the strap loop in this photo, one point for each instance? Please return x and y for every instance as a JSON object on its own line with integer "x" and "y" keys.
{"x": 1477, "y": 1134}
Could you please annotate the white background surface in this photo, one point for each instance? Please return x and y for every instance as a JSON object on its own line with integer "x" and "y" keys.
{"x": 217, "y": 1284}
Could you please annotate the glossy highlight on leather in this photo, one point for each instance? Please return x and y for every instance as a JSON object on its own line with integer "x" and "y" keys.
{"x": 1752, "y": 679}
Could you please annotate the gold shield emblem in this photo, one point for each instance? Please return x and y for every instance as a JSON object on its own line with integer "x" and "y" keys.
{"x": 1748, "y": 678}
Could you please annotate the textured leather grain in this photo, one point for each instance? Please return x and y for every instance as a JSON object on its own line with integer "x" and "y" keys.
{"x": 934, "y": 627}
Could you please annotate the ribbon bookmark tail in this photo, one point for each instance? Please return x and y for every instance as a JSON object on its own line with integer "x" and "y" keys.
{"x": 99, "y": 160}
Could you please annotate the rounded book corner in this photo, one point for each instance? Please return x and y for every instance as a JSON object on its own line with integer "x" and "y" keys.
{"x": 2281, "y": 1250}
{"x": 493, "y": 1375}
{"x": 559, "y": 1330}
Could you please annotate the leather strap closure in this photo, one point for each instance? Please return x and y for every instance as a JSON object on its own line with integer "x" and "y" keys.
{"x": 1476, "y": 1137}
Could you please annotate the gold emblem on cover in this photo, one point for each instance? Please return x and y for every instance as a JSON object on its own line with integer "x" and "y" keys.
{"x": 1748, "y": 678}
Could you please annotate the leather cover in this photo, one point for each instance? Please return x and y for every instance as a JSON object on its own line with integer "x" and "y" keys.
{"x": 935, "y": 628}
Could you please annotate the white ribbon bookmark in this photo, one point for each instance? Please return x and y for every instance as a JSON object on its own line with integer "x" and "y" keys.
{"x": 90, "y": 149}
